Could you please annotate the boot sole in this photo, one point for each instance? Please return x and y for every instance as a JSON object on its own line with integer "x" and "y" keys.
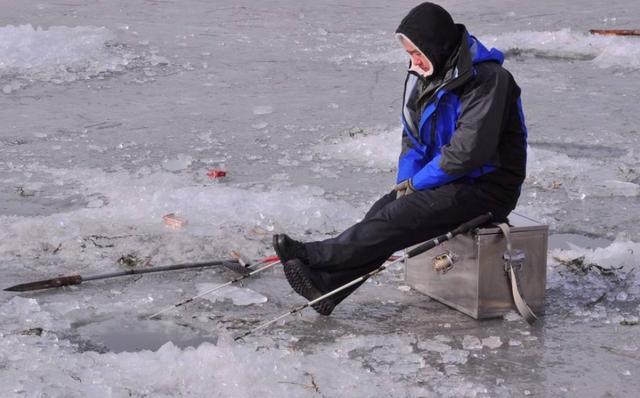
{"x": 302, "y": 285}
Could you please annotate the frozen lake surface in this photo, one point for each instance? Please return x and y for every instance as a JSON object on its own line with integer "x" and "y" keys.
{"x": 114, "y": 113}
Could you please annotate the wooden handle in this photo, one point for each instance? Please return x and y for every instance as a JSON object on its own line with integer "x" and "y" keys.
{"x": 615, "y": 32}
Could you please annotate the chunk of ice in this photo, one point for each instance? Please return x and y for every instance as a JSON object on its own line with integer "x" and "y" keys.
{"x": 25, "y": 313}
{"x": 471, "y": 343}
{"x": 621, "y": 252}
{"x": 96, "y": 203}
{"x": 262, "y": 110}
{"x": 492, "y": 342}
{"x": 442, "y": 338}
{"x": 238, "y": 295}
{"x": 455, "y": 356}
{"x": 179, "y": 163}
{"x": 260, "y": 126}
{"x": 434, "y": 346}
{"x": 512, "y": 316}
{"x": 622, "y": 296}
{"x": 609, "y": 188}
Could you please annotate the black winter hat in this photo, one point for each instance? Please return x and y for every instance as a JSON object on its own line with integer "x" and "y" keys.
{"x": 432, "y": 30}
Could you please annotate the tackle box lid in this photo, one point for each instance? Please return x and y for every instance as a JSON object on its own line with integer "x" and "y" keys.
{"x": 519, "y": 223}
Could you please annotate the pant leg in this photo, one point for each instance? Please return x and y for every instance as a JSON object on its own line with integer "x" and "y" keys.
{"x": 396, "y": 225}
{"x": 380, "y": 203}
{"x": 330, "y": 280}
{"x": 393, "y": 225}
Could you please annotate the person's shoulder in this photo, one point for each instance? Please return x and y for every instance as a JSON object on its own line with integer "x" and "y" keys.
{"x": 487, "y": 72}
{"x": 487, "y": 77}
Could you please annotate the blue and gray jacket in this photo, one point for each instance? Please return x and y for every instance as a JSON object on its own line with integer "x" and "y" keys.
{"x": 466, "y": 125}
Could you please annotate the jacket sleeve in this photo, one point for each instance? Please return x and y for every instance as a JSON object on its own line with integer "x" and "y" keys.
{"x": 474, "y": 142}
{"x": 411, "y": 161}
{"x": 431, "y": 176}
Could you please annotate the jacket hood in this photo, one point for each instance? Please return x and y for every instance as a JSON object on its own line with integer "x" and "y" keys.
{"x": 432, "y": 30}
{"x": 479, "y": 53}
{"x": 460, "y": 65}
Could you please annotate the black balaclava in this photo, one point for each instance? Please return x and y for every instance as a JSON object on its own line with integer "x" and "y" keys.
{"x": 432, "y": 30}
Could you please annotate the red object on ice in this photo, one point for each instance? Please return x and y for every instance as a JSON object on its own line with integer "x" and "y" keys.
{"x": 216, "y": 173}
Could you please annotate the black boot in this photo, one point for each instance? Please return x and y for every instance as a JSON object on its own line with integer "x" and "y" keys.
{"x": 299, "y": 277}
{"x": 288, "y": 249}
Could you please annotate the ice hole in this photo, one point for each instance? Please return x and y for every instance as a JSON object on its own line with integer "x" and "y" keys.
{"x": 133, "y": 335}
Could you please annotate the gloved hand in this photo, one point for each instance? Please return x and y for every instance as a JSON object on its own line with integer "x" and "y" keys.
{"x": 404, "y": 188}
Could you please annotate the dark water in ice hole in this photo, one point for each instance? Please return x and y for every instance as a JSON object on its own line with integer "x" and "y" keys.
{"x": 132, "y": 334}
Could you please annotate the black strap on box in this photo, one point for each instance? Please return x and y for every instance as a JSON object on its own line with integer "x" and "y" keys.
{"x": 513, "y": 261}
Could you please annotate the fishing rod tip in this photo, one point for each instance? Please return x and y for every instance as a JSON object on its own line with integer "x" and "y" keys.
{"x": 243, "y": 335}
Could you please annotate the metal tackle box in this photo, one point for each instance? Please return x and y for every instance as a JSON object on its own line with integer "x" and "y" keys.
{"x": 469, "y": 273}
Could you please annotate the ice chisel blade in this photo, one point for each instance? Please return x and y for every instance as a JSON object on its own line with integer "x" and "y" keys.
{"x": 46, "y": 284}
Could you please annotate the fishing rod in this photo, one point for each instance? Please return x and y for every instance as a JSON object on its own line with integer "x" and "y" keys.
{"x": 464, "y": 228}
{"x": 236, "y": 280}
{"x": 237, "y": 265}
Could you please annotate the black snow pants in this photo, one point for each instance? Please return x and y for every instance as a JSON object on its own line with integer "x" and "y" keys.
{"x": 395, "y": 224}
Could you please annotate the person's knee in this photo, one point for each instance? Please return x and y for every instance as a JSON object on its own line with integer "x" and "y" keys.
{"x": 402, "y": 213}
{"x": 380, "y": 204}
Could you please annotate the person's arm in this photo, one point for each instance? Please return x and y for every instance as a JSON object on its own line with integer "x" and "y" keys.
{"x": 410, "y": 161}
{"x": 475, "y": 140}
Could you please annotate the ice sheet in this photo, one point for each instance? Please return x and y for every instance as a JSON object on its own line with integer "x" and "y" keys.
{"x": 113, "y": 114}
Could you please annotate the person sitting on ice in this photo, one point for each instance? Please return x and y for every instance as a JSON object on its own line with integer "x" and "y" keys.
{"x": 463, "y": 155}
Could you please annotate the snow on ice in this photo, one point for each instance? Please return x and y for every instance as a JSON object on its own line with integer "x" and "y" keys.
{"x": 376, "y": 149}
{"x": 604, "y": 51}
{"x": 134, "y": 206}
{"x": 262, "y": 110}
{"x": 26, "y": 313}
{"x": 62, "y": 54}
